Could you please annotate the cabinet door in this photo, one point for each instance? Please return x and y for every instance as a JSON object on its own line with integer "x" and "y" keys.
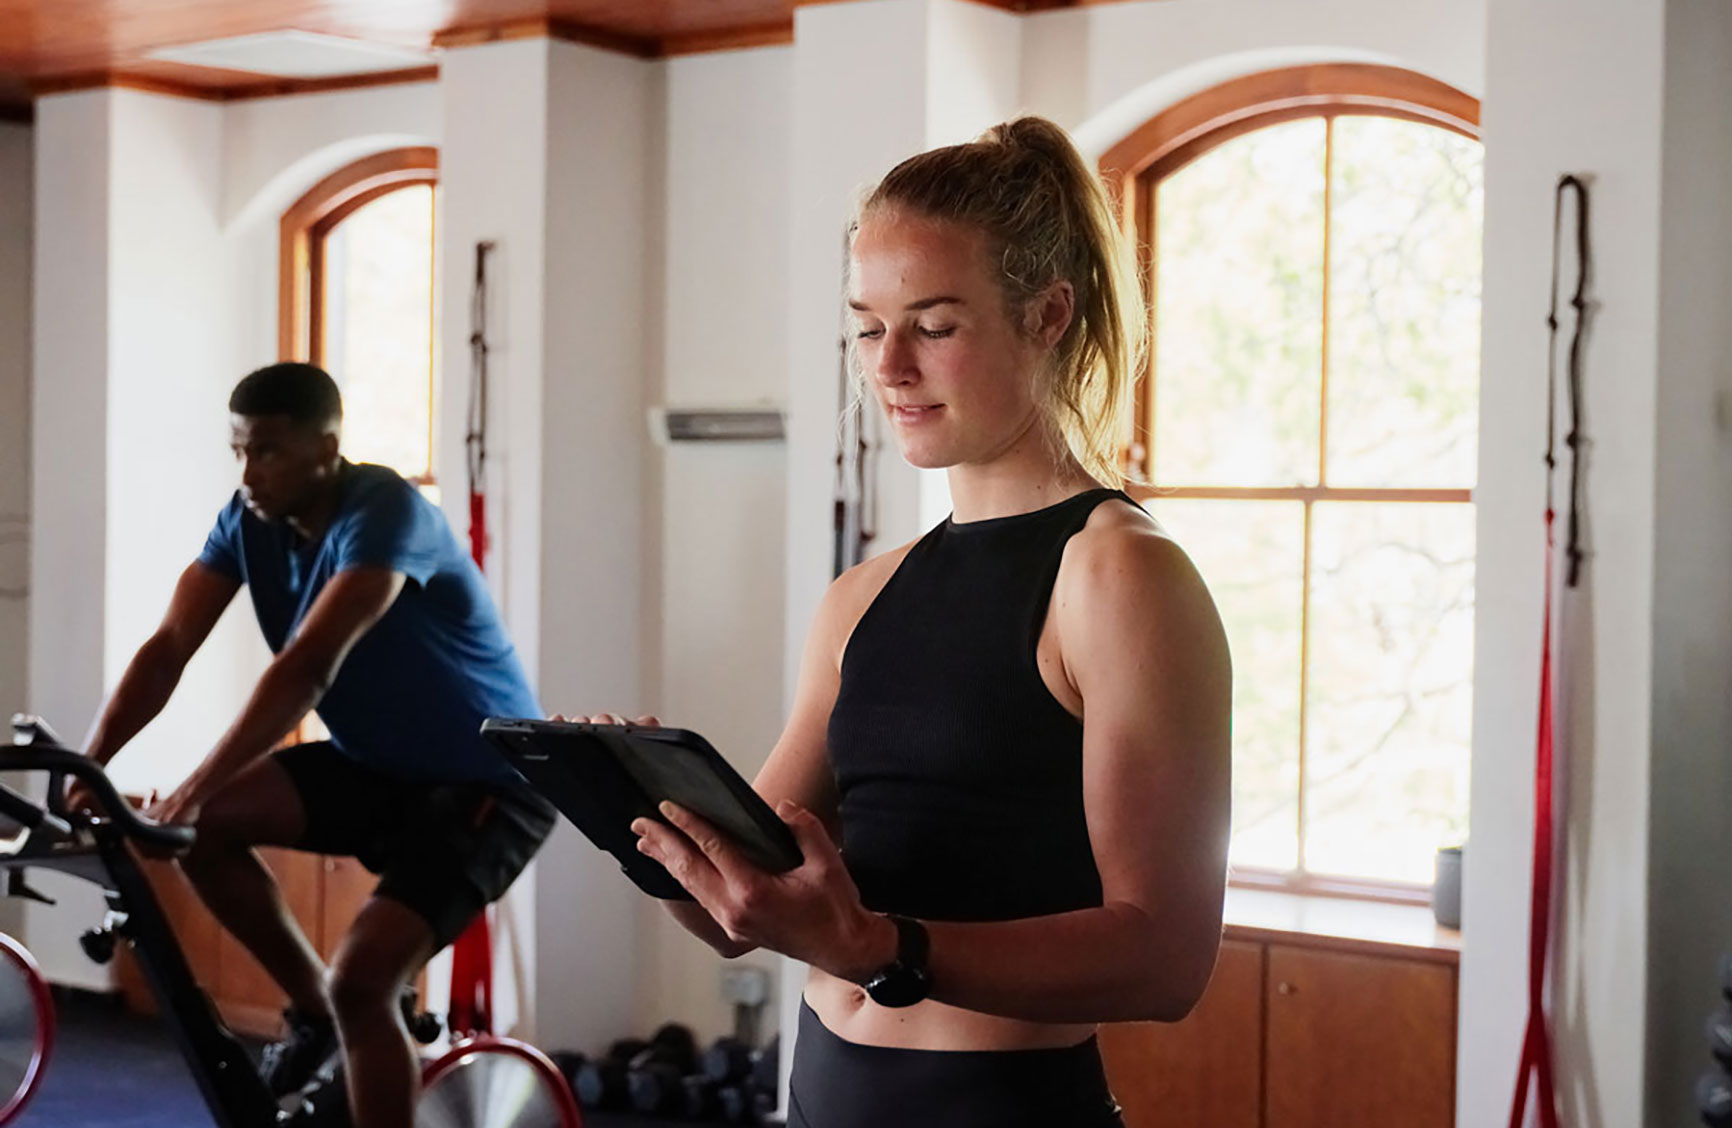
{"x": 1205, "y": 1070}
{"x": 198, "y": 932}
{"x": 1359, "y": 1041}
{"x": 247, "y": 996}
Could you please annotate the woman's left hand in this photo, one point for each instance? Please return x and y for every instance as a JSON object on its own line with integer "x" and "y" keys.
{"x": 812, "y": 913}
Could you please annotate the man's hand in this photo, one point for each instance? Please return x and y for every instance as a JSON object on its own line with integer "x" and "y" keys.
{"x": 180, "y": 808}
{"x": 81, "y": 798}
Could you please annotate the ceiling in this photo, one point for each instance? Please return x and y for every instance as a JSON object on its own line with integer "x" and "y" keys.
{"x": 51, "y": 45}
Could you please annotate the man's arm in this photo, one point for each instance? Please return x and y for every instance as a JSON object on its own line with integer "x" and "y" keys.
{"x": 200, "y": 595}
{"x": 296, "y": 679}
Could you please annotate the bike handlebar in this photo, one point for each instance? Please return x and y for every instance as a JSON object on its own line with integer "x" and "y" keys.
{"x": 35, "y": 748}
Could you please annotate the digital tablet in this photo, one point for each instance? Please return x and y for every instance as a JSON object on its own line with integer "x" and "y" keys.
{"x": 601, "y": 777}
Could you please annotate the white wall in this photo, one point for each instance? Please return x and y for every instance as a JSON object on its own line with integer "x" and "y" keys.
{"x": 1690, "y": 835}
{"x": 1105, "y": 70}
{"x": 274, "y": 149}
{"x": 16, "y": 216}
{"x": 722, "y": 506}
{"x": 1549, "y": 108}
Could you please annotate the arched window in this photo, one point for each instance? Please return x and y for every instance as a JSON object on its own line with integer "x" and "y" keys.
{"x": 1307, "y": 424}
{"x": 357, "y": 299}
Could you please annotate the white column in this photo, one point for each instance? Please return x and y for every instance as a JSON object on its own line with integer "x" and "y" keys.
{"x": 16, "y": 224}
{"x": 546, "y": 153}
{"x": 873, "y": 83}
{"x": 1690, "y": 834}
{"x": 1549, "y": 109}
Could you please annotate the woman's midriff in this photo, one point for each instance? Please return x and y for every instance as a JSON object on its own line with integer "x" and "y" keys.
{"x": 850, "y": 1015}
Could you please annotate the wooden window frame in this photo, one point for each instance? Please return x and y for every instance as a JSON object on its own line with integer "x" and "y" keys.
{"x": 1167, "y": 143}
{"x": 301, "y": 247}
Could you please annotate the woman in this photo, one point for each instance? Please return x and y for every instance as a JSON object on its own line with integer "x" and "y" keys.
{"x": 1016, "y": 726}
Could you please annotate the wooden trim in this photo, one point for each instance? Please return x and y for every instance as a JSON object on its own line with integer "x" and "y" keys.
{"x": 1298, "y": 493}
{"x": 272, "y": 88}
{"x": 1187, "y": 129}
{"x": 121, "y": 80}
{"x": 779, "y": 34}
{"x": 1447, "y": 951}
{"x": 304, "y": 224}
{"x": 283, "y": 88}
{"x": 568, "y": 31}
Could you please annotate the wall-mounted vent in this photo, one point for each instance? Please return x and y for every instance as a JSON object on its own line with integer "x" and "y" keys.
{"x": 295, "y": 54}
{"x": 716, "y": 424}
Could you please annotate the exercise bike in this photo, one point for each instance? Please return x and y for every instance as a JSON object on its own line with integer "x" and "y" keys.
{"x": 481, "y": 1082}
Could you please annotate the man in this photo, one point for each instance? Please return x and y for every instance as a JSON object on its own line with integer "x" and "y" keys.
{"x": 379, "y": 621}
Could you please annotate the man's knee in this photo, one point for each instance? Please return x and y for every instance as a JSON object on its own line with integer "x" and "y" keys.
{"x": 363, "y": 994}
{"x": 383, "y": 950}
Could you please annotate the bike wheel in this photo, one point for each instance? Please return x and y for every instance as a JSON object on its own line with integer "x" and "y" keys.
{"x": 487, "y": 1082}
{"x": 26, "y": 1027}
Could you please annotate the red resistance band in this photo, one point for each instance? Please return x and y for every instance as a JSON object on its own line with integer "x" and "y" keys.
{"x": 1536, "y": 1061}
{"x": 471, "y": 1010}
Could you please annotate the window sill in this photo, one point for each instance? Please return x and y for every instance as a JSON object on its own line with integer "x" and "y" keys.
{"x": 1367, "y": 927}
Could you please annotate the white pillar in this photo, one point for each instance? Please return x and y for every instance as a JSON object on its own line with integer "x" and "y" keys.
{"x": 561, "y": 194}
{"x": 131, "y": 330}
{"x": 873, "y": 83}
{"x": 1550, "y": 109}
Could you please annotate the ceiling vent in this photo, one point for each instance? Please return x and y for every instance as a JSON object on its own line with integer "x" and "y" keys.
{"x": 295, "y": 54}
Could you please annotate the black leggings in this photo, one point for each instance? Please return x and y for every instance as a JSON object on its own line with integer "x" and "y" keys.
{"x": 841, "y": 1084}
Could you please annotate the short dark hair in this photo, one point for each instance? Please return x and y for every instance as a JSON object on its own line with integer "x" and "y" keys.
{"x": 303, "y": 392}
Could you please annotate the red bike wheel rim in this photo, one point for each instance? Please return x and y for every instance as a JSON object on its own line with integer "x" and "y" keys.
{"x": 12, "y": 950}
{"x": 570, "y": 1117}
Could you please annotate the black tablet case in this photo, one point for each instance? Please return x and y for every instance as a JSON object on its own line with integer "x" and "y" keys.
{"x": 602, "y": 777}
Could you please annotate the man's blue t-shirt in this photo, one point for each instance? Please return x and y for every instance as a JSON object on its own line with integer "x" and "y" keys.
{"x": 409, "y": 698}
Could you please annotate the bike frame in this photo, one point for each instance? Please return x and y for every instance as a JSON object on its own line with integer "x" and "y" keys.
{"x": 231, "y": 1086}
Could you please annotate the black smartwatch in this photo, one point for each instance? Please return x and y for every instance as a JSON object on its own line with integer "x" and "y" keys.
{"x": 906, "y": 979}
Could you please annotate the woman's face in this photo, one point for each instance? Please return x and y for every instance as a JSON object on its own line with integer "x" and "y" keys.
{"x": 954, "y": 376}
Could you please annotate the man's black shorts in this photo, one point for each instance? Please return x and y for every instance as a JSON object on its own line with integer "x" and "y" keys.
{"x": 445, "y": 850}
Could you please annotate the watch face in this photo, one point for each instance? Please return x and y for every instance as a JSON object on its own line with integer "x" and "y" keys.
{"x": 899, "y": 986}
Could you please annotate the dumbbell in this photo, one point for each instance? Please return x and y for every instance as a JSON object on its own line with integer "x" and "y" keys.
{"x": 603, "y": 1084}
{"x": 727, "y": 1059}
{"x": 766, "y": 1065}
{"x": 1714, "y": 1099}
{"x": 656, "y": 1076}
{"x": 702, "y": 1101}
{"x": 1719, "y": 1031}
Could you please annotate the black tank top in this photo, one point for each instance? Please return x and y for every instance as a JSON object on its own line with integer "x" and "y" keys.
{"x": 960, "y": 774}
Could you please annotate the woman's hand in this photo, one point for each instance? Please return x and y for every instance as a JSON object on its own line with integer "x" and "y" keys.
{"x": 812, "y": 913}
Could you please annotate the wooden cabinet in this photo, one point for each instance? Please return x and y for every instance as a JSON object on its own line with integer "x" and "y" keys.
{"x": 1195, "y": 1072}
{"x": 1292, "y": 1035}
{"x": 323, "y": 893}
{"x": 1356, "y": 1039}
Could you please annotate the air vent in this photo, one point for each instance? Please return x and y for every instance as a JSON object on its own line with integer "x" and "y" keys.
{"x": 294, "y": 54}
{"x": 716, "y": 424}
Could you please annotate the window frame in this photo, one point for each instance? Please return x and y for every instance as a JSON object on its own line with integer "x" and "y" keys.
{"x": 304, "y": 229}
{"x": 1132, "y": 170}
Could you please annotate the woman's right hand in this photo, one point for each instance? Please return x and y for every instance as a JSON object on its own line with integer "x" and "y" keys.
{"x": 646, "y": 721}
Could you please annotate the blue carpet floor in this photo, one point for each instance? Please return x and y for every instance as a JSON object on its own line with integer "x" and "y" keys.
{"x": 111, "y": 1069}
